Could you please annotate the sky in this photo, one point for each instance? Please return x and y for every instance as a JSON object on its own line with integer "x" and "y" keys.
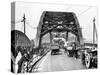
{"x": 33, "y": 12}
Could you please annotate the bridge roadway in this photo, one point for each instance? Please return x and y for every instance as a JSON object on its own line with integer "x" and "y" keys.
{"x": 59, "y": 62}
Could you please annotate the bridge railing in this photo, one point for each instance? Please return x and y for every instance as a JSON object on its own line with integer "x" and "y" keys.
{"x": 34, "y": 61}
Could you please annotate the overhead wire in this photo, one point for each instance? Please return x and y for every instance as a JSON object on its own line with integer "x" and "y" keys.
{"x": 85, "y": 11}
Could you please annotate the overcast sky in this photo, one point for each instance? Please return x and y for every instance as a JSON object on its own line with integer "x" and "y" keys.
{"x": 33, "y": 11}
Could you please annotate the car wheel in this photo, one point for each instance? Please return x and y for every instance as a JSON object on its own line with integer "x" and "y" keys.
{"x": 87, "y": 61}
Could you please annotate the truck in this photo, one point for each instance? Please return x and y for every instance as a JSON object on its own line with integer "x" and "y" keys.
{"x": 55, "y": 46}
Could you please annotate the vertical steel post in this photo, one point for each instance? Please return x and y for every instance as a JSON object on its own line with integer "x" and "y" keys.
{"x": 50, "y": 39}
{"x": 67, "y": 36}
{"x": 24, "y": 24}
{"x": 93, "y": 30}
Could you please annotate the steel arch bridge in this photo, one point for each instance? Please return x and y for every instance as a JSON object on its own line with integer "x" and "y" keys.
{"x": 60, "y": 22}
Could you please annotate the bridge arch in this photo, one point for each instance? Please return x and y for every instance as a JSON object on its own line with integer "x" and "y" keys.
{"x": 18, "y": 38}
{"x": 60, "y": 22}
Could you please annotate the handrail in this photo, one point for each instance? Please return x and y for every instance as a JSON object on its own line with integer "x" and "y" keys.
{"x": 37, "y": 61}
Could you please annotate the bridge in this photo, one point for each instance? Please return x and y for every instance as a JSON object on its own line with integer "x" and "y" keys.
{"x": 59, "y": 22}
{"x": 58, "y": 25}
{"x": 56, "y": 29}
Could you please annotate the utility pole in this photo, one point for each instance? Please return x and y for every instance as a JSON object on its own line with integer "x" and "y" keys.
{"x": 24, "y": 20}
{"x": 93, "y": 30}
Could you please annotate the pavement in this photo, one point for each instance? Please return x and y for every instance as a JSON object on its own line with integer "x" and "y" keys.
{"x": 59, "y": 62}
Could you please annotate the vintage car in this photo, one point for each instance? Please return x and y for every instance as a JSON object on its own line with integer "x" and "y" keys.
{"x": 55, "y": 46}
{"x": 89, "y": 56}
{"x": 55, "y": 50}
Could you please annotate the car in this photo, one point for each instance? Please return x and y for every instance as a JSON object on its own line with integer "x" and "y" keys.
{"x": 54, "y": 49}
{"x": 55, "y": 52}
{"x": 89, "y": 57}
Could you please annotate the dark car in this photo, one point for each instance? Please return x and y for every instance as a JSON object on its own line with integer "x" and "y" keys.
{"x": 55, "y": 52}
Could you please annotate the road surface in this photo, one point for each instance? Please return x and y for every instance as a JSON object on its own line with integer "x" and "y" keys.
{"x": 59, "y": 62}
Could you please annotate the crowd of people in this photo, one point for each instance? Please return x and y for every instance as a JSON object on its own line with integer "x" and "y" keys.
{"x": 20, "y": 55}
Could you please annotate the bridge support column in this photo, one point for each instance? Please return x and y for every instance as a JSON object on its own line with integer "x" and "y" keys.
{"x": 40, "y": 40}
{"x": 50, "y": 39}
{"x": 67, "y": 36}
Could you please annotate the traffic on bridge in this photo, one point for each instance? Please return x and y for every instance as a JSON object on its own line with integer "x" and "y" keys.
{"x": 59, "y": 45}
